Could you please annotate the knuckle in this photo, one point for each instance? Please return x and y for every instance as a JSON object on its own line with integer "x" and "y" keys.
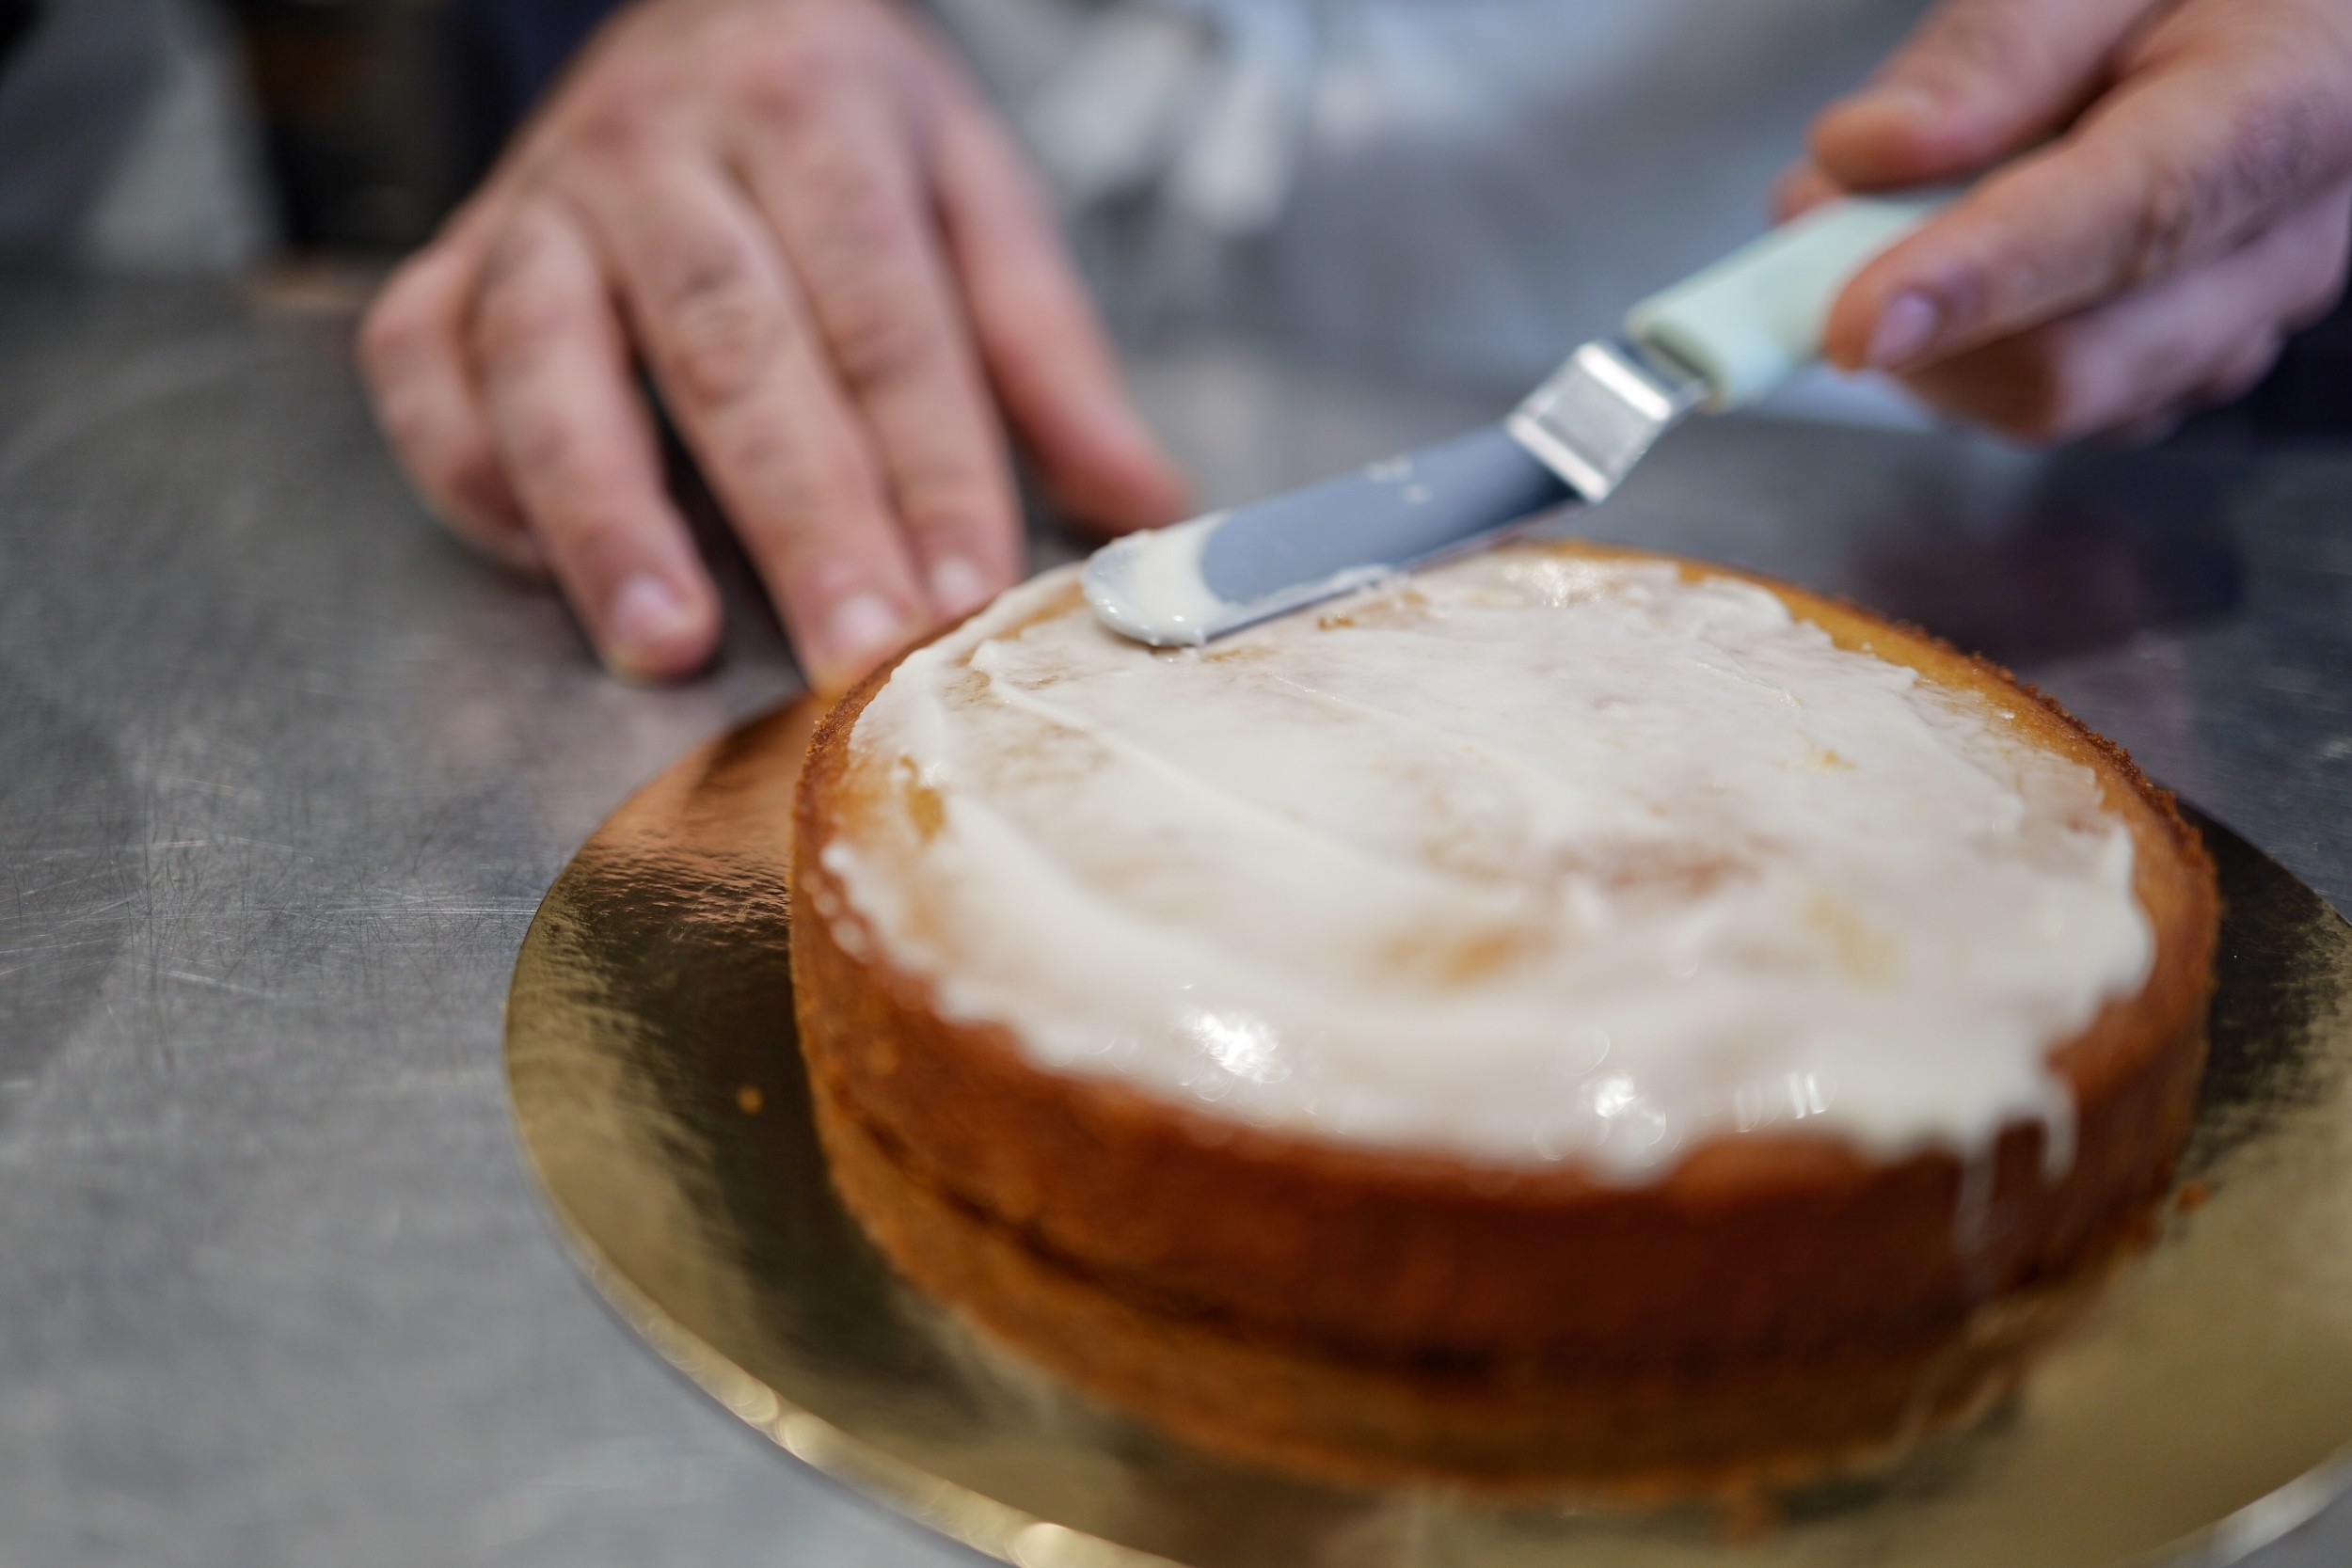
{"x": 863, "y": 260}
{"x": 810, "y": 497}
{"x": 2266, "y": 158}
{"x": 523, "y": 246}
{"x": 859, "y": 223}
{"x": 2177, "y": 202}
{"x": 1983, "y": 43}
{"x": 722, "y": 323}
{"x": 946, "y": 495}
{"x": 1989, "y": 63}
{"x": 762, "y": 457}
{"x": 542, "y": 439}
{"x": 788, "y": 83}
{"x": 620, "y": 110}
{"x": 880, "y": 341}
{"x": 960, "y": 529}
{"x": 2275, "y": 152}
{"x": 515, "y": 326}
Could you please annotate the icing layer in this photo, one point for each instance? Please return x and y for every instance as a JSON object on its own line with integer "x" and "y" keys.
{"x": 1536, "y": 857}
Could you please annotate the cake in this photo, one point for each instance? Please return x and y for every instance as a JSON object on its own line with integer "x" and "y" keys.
{"x": 1572, "y": 1017}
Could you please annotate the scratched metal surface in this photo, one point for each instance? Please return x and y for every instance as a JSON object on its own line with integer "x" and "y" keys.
{"x": 283, "y": 774}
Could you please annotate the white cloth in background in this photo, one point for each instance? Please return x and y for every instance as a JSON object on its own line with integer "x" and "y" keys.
{"x": 1465, "y": 188}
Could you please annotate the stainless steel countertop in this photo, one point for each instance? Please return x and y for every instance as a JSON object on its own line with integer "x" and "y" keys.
{"x": 283, "y": 774}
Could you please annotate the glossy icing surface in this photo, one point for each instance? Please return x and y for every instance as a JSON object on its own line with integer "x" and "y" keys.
{"x": 1535, "y": 857}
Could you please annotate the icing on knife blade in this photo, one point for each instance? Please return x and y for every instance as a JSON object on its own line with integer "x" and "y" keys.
{"x": 1217, "y": 573}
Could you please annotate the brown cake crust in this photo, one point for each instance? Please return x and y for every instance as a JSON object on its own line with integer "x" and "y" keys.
{"x": 1635, "y": 1435}
{"x": 1776, "y": 1302}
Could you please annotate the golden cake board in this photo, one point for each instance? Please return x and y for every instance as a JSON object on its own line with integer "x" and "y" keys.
{"x": 2205, "y": 1407}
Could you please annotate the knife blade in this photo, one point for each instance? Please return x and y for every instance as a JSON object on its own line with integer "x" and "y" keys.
{"x": 1719, "y": 339}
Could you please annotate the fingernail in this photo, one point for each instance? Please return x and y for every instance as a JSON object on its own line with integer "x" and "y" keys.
{"x": 651, "y": 631}
{"x": 1906, "y": 327}
{"x": 958, "y": 587}
{"x": 862, "y": 628}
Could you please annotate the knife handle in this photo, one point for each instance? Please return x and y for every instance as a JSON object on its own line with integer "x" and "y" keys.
{"x": 1754, "y": 319}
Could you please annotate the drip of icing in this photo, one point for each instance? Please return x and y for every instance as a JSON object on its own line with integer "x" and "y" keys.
{"x": 1531, "y": 857}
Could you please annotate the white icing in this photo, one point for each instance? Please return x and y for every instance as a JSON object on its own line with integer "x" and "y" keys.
{"x": 1535, "y": 857}
{"x": 1149, "y": 585}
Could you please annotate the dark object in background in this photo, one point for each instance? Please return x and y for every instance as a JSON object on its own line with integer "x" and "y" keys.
{"x": 2310, "y": 393}
{"x": 372, "y": 129}
{"x": 16, "y": 20}
{"x": 380, "y": 115}
{"x": 520, "y": 47}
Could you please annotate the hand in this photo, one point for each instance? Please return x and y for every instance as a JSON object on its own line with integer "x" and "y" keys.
{"x": 2177, "y": 199}
{"x": 806, "y": 225}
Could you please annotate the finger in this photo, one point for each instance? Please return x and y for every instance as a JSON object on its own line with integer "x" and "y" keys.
{"x": 739, "y": 364}
{"x": 412, "y": 351}
{"x": 842, "y": 199}
{"x": 2232, "y": 382}
{"x": 1976, "y": 81}
{"x": 1038, "y": 335}
{"x": 2175, "y": 168}
{"x": 554, "y": 372}
{"x": 2175, "y": 342}
{"x": 2242, "y": 374}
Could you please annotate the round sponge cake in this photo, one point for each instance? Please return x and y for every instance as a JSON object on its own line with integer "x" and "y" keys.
{"x": 1572, "y": 1014}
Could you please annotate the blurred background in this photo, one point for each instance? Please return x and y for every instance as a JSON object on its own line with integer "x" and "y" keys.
{"x": 375, "y": 116}
{"x": 307, "y": 144}
{"x": 219, "y": 135}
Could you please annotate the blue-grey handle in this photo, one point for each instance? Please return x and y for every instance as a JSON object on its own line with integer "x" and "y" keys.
{"x": 1754, "y": 318}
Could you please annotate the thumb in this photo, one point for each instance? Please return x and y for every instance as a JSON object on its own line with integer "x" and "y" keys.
{"x": 1976, "y": 81}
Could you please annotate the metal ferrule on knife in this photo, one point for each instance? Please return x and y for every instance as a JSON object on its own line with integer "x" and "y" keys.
{"x": 1599, "y": 412}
